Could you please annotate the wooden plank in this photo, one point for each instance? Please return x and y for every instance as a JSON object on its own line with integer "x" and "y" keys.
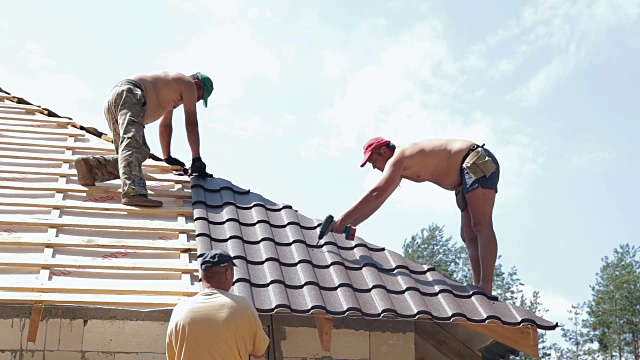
{"x": 35, "y": 156}
{"x": 448, "y": 345}
{"x": 57, "y": 144}
{"x": 143, "y": 225}
{"x": 90, "y": 299}
{"x": 65, "y": 172}
{"x": 69, "y": 132}
{"x": 34, "y": 323}
{"x": 34, "y": 118}
{"x": 16, "y": 240}
{"x": 6, "y": 97}
{"x": 101, "y": 287}
{"x": 98, "y": 189}
{"x": 24, "y": 107}
{"x": 67, "y": 159}
{"x": 119, "y": 264}
{"x": 324, "y": 324}
{"x": 94, "y": 206}
{"x": 523, "y": 338}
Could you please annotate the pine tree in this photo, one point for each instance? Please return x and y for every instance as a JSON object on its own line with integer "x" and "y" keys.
{"x": 614, "y": 310}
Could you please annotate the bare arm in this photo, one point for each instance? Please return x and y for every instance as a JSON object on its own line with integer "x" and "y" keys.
{"x": 373, "y": 199}
{"x": 165, "y": 131}
{"x": 189, "y": 98}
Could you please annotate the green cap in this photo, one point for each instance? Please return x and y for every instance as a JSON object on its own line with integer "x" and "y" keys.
{"x": 208, "y": 86}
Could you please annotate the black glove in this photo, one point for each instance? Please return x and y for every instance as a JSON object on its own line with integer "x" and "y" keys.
{"x": 198, "y": 168}
{"x": 174, "y": 162}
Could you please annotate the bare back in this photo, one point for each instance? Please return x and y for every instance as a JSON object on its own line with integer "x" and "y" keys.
{"x": 436, "y": 161}
{"x": 165, "y": 91}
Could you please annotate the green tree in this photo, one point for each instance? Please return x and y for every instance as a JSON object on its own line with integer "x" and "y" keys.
{"x": 430, "y": 247}
{"x": 614, "y": 309}
{"x": 576, "y": 335}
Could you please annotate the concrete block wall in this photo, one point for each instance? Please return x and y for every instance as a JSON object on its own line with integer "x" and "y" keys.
{"x": 303, "y": 343}
{"x": 77, "y": 333}
{"x": 67, "y": 339}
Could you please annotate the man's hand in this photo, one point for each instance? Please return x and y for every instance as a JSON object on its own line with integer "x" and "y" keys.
{"x": 174, "y": 162}
{"x": 338, "y": 226}
{"x": 198, "y": 168}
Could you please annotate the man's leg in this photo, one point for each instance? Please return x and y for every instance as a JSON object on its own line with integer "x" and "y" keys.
{"x": 132, "y": 148}
{"x": 471, "y": 241}
{"x": 92, "y": 169}
{"x": 480, "y": 207}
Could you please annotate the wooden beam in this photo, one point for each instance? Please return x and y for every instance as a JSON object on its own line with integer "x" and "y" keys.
{"x": 119, "y": 264}
{"x": 68, "y": 159}
{"x": 447, "y": 344}
{"x": 90, "y": 299}
{"x": 101, "y": 287}
{"x": 72, "y": 172}
{"x": 324, "y": 324}
{"x": 132, "y": 225}
{"x": 98, "y": 189}
{"x": 523, "y": 338}
{"x": 94, "y": 206}
{"x": 34, "y": 323}
{"x": 89, "y": 146}
{"x": 15, "y": 240}
{"x": 69, "y": 132}
{"x": 33, "y": 118}
{"x": 20, "y": 107}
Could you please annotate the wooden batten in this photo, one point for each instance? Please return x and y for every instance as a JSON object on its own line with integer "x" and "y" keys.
{"x": 143, "y": 225}
{"x": 34, "y": 323}
{"x": 101, "y": 189}
{"x": 522, "y": 338}
{"x": 94, "y": 206}
{"x": 94, "y": 243}
{"x": 324, "y": 324}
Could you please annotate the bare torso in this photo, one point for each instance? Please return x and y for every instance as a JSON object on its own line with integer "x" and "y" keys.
{"x": 436, "y": 161}
{"x": 164, "y": 91}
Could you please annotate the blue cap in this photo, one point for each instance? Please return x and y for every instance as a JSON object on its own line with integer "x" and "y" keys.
{"x": 215, "y": 258}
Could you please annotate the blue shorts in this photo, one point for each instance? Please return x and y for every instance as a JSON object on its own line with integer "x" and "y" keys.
{"x": 470, "y": 183}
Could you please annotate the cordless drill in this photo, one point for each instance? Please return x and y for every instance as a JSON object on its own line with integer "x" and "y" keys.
{"x": 349, "y": 231}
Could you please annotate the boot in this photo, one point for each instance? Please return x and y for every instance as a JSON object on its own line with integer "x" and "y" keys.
{"x": 140, "y": 200}
{"x": 85, "y": 171}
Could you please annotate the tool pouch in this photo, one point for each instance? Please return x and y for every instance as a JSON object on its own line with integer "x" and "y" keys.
{"x": 478, "y": 164}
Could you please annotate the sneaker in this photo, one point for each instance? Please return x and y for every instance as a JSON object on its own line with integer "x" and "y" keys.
{"x": 85, "y": 171}
{"x": 140, "y": 200}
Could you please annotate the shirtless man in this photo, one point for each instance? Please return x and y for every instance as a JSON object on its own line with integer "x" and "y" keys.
{"x": 133, "y": 104}
{"x": 455, "y": 165}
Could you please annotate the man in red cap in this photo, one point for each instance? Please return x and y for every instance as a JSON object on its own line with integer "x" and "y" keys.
{"x": 468, "y": 169}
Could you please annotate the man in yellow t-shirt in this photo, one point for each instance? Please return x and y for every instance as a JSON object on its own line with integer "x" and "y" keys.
{"x": 215, "y": 325}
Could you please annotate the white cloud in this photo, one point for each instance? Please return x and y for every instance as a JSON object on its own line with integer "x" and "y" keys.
{"x": 560, "y": 34}
{"x": 334, "y": 64}
{"x": 236, "y": 49}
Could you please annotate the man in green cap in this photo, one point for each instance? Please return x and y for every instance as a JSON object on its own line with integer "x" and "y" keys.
{"x": 134, "y": 103}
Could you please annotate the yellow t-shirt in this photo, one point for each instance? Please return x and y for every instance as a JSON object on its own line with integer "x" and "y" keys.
{"x": 215, "y": 325}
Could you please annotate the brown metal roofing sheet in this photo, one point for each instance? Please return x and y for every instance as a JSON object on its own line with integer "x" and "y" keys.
{"x": 280, "y": 265}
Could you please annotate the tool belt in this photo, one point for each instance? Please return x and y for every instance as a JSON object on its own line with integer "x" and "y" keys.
{"x": 477, "y": 163}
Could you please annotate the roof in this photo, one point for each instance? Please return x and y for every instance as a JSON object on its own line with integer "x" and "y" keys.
{"x": 282, "y": 267}
{"x": 63, "y": 243}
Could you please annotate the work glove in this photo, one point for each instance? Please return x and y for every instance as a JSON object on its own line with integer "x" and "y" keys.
{"x": 174, "y": 162}
{"x": 198, "y": 168}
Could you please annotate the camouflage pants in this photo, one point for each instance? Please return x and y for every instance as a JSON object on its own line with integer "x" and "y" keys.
{"x": 125, "y": 112}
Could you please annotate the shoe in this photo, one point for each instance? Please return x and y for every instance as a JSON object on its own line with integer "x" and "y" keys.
{"x": 85, "y": 171}
{"x": 140, "y": 200}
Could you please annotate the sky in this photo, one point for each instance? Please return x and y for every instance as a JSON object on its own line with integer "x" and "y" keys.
{"x": 551, "y": 88}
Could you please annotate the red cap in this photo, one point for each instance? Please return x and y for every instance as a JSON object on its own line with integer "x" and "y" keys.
{"x": 372, "y": 144}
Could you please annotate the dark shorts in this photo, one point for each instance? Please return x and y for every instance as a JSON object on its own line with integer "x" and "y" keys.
{"x": 470, "y": 183}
